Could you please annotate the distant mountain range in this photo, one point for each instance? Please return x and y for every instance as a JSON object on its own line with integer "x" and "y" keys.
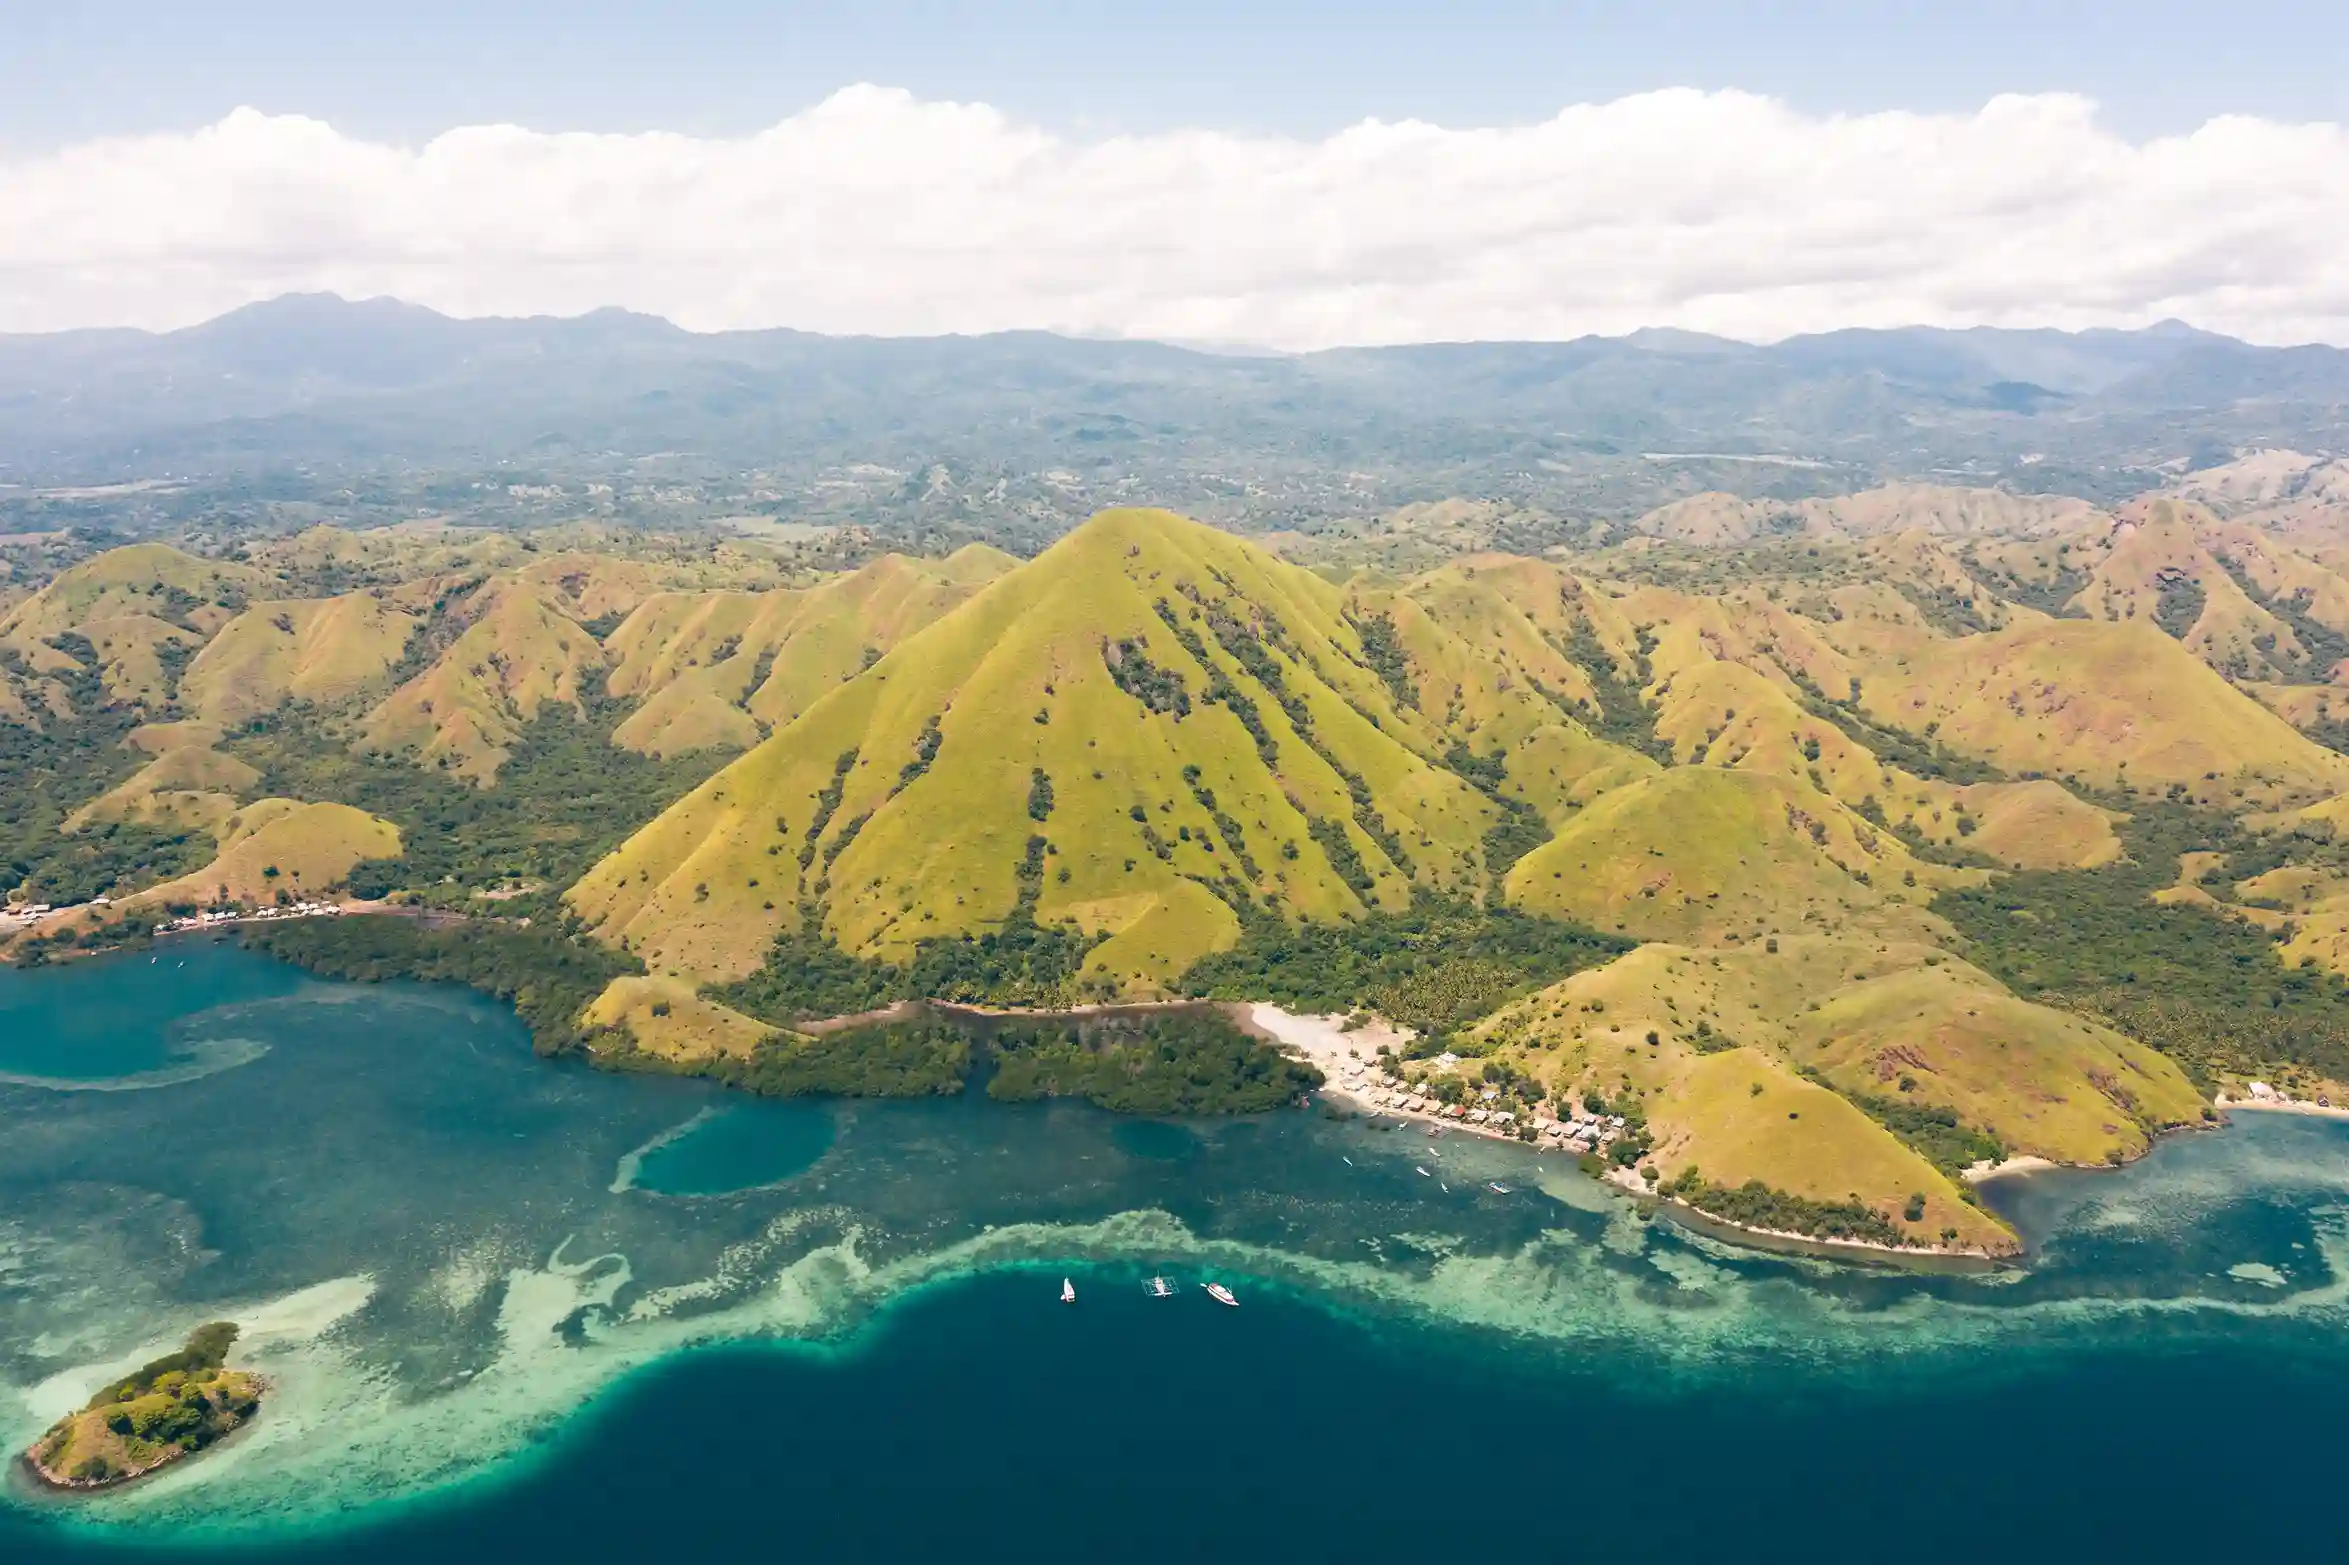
{"x": 316, "y": 382}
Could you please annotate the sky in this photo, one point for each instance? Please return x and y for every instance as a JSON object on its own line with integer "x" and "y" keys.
{"x": 1286, "y": 173}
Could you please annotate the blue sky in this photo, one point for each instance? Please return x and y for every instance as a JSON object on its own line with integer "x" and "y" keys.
{"x": 401, "y": 71}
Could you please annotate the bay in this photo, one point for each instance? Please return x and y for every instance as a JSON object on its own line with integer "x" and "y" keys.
{"x": 518, "y": 1306}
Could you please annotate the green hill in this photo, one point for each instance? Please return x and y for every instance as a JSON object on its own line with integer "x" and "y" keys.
{"x": 1701, "y": 853}
{"x": 1147, "y": 729}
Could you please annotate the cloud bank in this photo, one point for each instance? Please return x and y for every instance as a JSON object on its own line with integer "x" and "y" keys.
{"x": 876, "y": 212}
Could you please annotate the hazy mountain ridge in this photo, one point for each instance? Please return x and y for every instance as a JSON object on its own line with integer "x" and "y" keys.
{"x": 320, "y": 383}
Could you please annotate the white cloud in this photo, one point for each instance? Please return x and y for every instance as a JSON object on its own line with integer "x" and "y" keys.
{"x": 874, "y": 212}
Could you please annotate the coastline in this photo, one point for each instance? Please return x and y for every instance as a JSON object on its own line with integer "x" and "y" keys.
{"x": 1354, "y": 1079}
{"x": 1339, "y": 1053}
{"x": 217, "y": 922}
{"x": 1933, "y": 1259}
{"x": 1982, "y": 1173}
{"x": 49, "y": 1481}
{"x": 906, "y": 1010}
{"x": 2279, "y": 1105}
{"x": 1326, "y": 1044}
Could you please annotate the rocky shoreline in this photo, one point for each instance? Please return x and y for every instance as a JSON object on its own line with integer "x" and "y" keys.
{"x": 171, "y": 1409}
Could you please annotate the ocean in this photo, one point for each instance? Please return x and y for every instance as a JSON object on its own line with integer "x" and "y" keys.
{"x": 512, "y": 1307}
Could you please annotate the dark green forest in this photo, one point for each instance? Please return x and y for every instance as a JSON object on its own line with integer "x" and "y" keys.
{"x": 909, "y": 1059}
{"x": 2210, "y": 991}
{"x": 565, "y": 797}
{"x": 1168, "y": 1062}
{"x": 547, "y": 976}
{"x": 1172, "y": 1062}
{"x": 1436, "y": 966}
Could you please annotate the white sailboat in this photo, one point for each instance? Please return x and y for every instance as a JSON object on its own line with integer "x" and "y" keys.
{"x": 1068, "y": 1291}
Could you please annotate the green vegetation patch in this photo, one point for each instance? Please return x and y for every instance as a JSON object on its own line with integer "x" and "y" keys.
{"x": 1623, "y": 716}
{"x": 1175, "y": 1062}
{"x": 165, "y": 1410}
{"x": 1935, "y": 1134}
{"x": 1434, "y": 967}
{"x": 1756, "y": 1205}
{"x": 807, "y": 977}
{"x": 1382, "y": 648}
{"x": 547, "y": 976}
{"x": 54, "y": 770}
{"x": 1166, "y": 1062}
{"x": 2207, "y": 990}
{"x": 565, "y": 797}
{"x": 1520, "y": 829}
{"x": 909, "y": 1059}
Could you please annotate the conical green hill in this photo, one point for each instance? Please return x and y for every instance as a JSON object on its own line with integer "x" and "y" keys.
{"x": 1180, "y": 723}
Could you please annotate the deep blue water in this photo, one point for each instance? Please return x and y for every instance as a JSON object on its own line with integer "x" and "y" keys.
{"x": 984, "y": 1419}
{"x": 829, "y": 1332}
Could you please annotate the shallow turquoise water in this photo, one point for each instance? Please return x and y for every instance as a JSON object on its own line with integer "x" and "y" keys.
{"x": 737, "y": 1147}
{"x": 837, "y": 1320}
{"x": 98, "y": 1022}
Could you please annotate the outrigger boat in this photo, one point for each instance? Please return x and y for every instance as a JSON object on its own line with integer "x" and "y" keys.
{"x": 1496, "y": 1189}
{"x": 1068, "y": 1291}
{"x": 1160, "y": 1288}
{"x": 1220, "y": 1294}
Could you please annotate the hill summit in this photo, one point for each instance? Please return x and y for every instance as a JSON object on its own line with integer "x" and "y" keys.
{"x": 1146, "y": 731}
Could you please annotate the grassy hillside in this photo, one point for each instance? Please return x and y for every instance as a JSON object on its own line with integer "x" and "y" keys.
{"x": 1151, "y": 724}
{"x": 515, "y": 653}
{"x": 140, "y": 612}
{"x": 190, "y": 787}
{"x": 720, "y": 670}
{"x": 2114, "y": 705}
{"x": 318, "y": 651}
{"x": 1886, "y": 1053}
{"x": 1701, "y": 853}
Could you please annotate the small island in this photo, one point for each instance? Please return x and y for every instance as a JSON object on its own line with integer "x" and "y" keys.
{"x": 169, "y": 1409}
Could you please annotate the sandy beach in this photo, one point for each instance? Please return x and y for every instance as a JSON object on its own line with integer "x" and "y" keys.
{"x": 2022, "y": 1163}
{"x": 1349, "y": 1059}
{"x": 1346, "y": 1058}
{"x": 2279, "y": 1105}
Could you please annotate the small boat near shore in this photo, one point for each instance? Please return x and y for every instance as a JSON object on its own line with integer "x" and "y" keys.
{"x": 1220, "y": 1294}
{"x": 1497, "y": 1189}
{"x": 1068, "y": 1291}
{"x": 1423, "y": 1173}
{"x": 1160, "y": 1288}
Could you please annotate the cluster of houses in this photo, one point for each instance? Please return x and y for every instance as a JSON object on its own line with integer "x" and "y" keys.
{"x": 216, "y": 917}
{"x": 27, "y": 913}
{"x": 1580, "y": 1131}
